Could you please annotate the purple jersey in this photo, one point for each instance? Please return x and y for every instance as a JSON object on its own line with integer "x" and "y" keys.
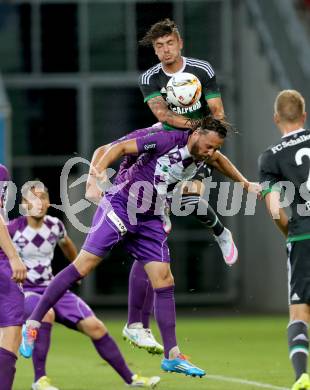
{"x": 163, "y": 161}
{"x": 36, "y": 247}
{"x": 128, "y": 161}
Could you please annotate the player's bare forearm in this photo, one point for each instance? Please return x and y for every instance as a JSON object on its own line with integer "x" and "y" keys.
{"x": 98, "y": 154}
{"x": 114, "y": 153}
{"x": 164, "y": 115}
{"x": 93, "y": 193}
{"x": 228, "y": 169}
{"x": 216, "y": 107}
{"x": 103, "y": 159}
{"x": 68, "y": 248}
{"x": 282, "y": 223}
{"x": 276, "y": 212}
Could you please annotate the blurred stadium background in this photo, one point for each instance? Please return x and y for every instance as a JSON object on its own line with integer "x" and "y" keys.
{"x": 69, "y": 72}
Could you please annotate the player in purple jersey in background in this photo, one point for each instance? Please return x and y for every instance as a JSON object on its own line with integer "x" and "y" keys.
{"x": 36, "y": 236}
{"x": 12, "y": 274}
{"x": 129, "y": 214}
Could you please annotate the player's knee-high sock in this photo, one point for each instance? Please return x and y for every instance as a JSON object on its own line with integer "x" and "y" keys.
{"x": 298, "y": 343}
{"x": 55, "y": 290}
{"x": 41, "y": 349}
{"x": 148, "y": 306}
{"x": 164, "y": 309}
{"x": 138, "y": 286}
{"x": 108, "y": 350}
{"x": 203, "y": 212}
{"x": 7, "y": 369}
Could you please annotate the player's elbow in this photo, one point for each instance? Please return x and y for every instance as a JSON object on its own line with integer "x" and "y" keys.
{"x": 219, "y": 115}
{"x": 121, "y": 149}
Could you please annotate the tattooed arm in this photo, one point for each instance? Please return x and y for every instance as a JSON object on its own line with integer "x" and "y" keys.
{"x": 160, "y": 109}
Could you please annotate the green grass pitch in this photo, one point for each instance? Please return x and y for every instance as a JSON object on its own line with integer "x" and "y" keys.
{"x": 246, "y": 348}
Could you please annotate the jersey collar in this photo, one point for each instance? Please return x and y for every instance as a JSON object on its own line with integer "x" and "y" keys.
{"x": 185, "y": 152}
{"x": 179, "y": 71}
{"x": 293, "y": 132}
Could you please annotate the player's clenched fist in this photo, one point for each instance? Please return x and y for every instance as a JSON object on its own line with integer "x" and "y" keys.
{"x": 254, "y": 188}
{"x": 19, "y": 271}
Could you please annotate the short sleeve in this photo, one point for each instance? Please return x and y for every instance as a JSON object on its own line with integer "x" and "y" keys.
{"x": 159, "y": 142}
{"x": 148, "y": 86}
{"x": 269, "y": 175}
{"x": 211, "y": 89}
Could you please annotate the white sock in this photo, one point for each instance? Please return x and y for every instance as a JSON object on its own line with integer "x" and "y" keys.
{"x": 135, "y": 325}
{"x": 33, "y": 324}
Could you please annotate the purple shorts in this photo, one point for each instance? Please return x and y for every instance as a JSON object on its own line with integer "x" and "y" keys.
{"x": 11, "y": 298}
{"x": 69, "y": 310}
{"x": 145, "y": 240}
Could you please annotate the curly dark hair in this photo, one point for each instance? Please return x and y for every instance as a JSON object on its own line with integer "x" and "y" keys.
{"x": 208, "y": 123}
{"x": 158, "y": 30}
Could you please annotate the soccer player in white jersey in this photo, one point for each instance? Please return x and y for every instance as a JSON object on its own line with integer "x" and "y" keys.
{"x": 36, "y": 236}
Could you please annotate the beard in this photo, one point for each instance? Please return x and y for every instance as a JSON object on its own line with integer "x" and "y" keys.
{"x": 195, "y": 152}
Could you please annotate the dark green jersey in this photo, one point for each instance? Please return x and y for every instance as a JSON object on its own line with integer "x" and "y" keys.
{"x": 287, "y": 165}
{"x": 153, "y": 83}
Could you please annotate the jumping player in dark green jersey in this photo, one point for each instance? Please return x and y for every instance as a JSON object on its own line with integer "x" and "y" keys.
{"x": 168, "y": 44}
{"x": 288, "y": 161}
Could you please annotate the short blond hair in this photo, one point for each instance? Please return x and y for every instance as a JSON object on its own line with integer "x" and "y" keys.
{"x": 289, "y": 105}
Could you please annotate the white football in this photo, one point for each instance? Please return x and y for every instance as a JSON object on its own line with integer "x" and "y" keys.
{"x": 183, "y": 90}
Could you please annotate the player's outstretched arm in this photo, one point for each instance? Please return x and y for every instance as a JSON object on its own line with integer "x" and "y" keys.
{"x": 163, "y": 114}
{"x": 227, "y": 168}
{"x": 68, "y": 248}
{"x": 277, "y": 213}
{"x": 19, "y": 271}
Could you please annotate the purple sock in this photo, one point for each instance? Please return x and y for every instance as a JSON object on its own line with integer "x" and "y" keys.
{"x": 7, "y": 368}
{"x": 148, "y": 306}
{"x": 164, "y": 309}
{"x": 138, "y": 286}
{"x": 55, "y": 290}
{"x": 108, "y": 350}
{"x": 41, "y": 349}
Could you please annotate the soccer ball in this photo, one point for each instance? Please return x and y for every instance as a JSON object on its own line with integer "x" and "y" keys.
{"x": 183, "y": 90}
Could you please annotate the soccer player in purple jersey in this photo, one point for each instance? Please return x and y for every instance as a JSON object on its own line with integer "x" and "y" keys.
{"x": 12, "y": 274}
{"x": 141, "y": 296}
{"x": 165, "y": 158}
{"x": 36, "y": 236}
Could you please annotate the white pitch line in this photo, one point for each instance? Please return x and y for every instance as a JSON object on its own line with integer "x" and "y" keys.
{"x": 244, "y": 382}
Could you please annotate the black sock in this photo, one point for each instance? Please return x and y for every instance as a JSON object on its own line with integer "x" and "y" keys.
{"x": 298, "y": 344}
{"x": 203, "y": 212}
